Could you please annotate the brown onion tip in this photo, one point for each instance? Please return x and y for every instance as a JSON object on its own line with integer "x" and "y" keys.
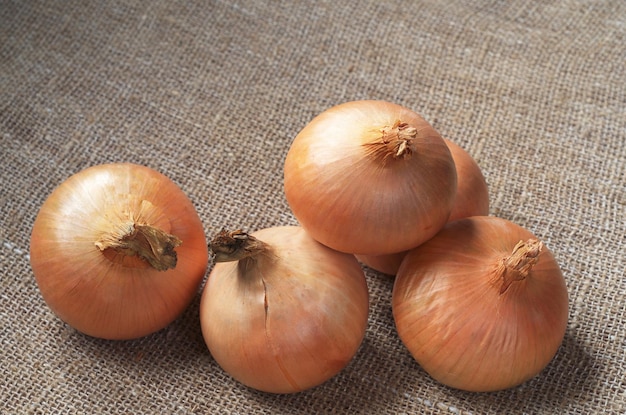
{"x": 235, "y": 245}
{"x": 518, "y": 265}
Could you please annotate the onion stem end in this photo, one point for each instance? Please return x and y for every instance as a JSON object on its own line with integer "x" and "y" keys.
{"x": 517, "y": 266}
{"x": 147, "y": 242}
{"x": 235, "y": 245}
{"x": 394, "y": 142}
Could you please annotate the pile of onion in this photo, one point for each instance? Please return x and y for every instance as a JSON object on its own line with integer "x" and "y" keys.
{"x": 281, "y": 312}
{"x": 482, "y": 306}
{"x": 370, "y": 177}
{"x": 118, "y": 251}
{"x": 479, "y": 301}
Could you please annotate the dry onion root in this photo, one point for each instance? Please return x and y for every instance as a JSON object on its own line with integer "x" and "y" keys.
{"x": 118, "y": 251}
{"x": 280, "y": 312}
{"x": 370, "y": 177}
{"x": 482, "y": 306}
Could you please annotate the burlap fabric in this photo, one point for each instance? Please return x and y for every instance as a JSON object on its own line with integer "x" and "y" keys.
{"x": 212, "y": 93}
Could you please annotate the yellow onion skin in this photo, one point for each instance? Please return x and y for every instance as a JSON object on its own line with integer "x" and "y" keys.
{"x": 101, "y": 293}
{"x": 472, "y": 194}
{"x": 452, "y": 316}
{"x": 357, "y": 200}
{"x": 290, "y": 321}
{"x": 472, "y": 199}
{"x": 387, "y": 264}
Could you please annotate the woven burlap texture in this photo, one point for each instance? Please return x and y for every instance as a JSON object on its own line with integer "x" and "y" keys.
{"x": 211, "y": 93}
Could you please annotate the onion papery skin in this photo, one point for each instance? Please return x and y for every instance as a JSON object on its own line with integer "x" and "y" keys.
{"x": 102, "y": 293}
{"x": 387, "y": 264}
{"x": 451, "y": 315}
{"x": 358, "y": 202}
{"x": 292, "y": 320}
{"x": 472, "y": 193}
{"x": 472, "y": 199}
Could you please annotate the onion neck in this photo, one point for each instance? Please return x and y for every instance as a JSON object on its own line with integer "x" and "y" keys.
{"x": 394, "y": 142}
{"x": 237, "y": 245}
{"x": 149, "y": 243}
{"x": 517, "y": 266}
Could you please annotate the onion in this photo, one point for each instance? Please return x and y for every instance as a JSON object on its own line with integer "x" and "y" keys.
{"x": 370, "y": 177}
{"x": 472, "y": 193}
{"x": 285, "y": 313}
{"x": 387, "y": 264}
{"x": 482, "y": 306}
{"x": 472, "y": 199}
{"x": 118, "y": 251}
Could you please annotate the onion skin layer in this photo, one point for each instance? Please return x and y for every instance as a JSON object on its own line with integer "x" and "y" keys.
{"x": 472, "y": 194}
{"x": 101, "y": 293}
{"x": 451, "y": 316}
{"x": 352, "y": 195}
{"x": 290, "y": 320}
{"x": 472, "y": 199}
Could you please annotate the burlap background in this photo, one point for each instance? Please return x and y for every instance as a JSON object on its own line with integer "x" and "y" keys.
{"x": 211, "y": 94}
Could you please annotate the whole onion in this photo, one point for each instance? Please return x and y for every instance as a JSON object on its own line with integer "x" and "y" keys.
{"x": 118, "y": 251}
{"x": 281, "y": 312}
{"x": 482, "y": 306}
{"x": 370, "y": 177}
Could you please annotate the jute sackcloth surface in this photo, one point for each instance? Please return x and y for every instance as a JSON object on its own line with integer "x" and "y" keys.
{"x": 211, "y": 93}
